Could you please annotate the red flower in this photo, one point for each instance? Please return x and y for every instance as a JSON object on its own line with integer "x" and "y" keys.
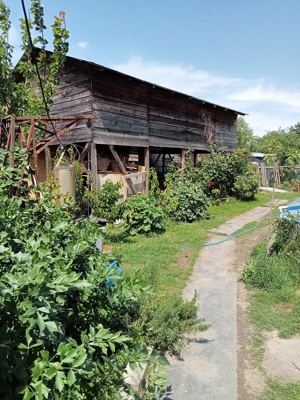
{"x": 229, "y": 163}
{"x": 20, "y": 182}
{"x": 211, "y": 183}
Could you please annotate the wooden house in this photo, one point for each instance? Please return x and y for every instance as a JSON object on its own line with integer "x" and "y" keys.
{"x": 136, "y": 124}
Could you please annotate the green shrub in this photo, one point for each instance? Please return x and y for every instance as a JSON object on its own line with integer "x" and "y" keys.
{"x": 219, "y": 170}
{"x": 142, "y": 215}
{"x": 245, "y": 186}
{"x": 184, "y": 199}
{"x": 102, "y": 202}
{"x": 169, "y": 319}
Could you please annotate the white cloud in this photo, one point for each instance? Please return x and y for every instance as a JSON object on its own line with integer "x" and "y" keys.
{"x": 83, "y": 45}
{"x": 268, "y": 105}
{"x": 186, "y": 79}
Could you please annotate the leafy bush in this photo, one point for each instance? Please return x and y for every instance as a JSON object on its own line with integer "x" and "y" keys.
{"x": 245, "y": 186}
{"x": 220, "y": 169}
{"x": 169, "y": 319}
{"x": 103, "y": 202}
{"x": 183, "y": 198}
{"x": 65, "y": 332}
{"x": 142, "y": 215}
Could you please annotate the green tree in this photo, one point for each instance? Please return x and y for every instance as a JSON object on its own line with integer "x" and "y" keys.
{"x": 285, "y": 141}
{"x": 245, "y": 137}
{"x": 16, "y": 94}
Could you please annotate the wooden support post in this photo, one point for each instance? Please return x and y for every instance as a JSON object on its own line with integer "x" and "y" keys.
{"x": 164, "y": 164}
{"x": 35, "y": 163}
{"x": 183, "y": 154}
{"x": 94, "y": 165}
{"x": 21, "y": 137}
{"x": 32, "y": 134}
{"x": 147, "y": 166}
{"x": 47, "y": 162}
{"x": 141, "y": 159}
{"x": 12, "y": 134}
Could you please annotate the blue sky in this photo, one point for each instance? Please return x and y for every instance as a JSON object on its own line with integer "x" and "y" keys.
{"x": 241, "y": 55}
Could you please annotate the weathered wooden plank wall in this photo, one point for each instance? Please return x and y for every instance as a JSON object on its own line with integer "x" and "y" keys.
{"x": 130, "y": 112}
{"x": 74, "y": 97}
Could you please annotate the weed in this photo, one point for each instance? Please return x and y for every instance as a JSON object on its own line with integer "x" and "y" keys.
{"x": 281, "y": 391}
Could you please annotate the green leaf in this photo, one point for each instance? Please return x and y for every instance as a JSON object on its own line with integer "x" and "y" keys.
{"x": 59, "y": 382}
{"x": 163, "y": 361}
{"x": 71, "y": 378}
{"x": 37, "y": 371}
{"x": 50, "y": 372}
{"x": 40, "y": 322}
{"x": 79, "y": 360}
{"x": 52, "y": 326}
{"x": 28, "y": 395}
{"x": 82, "y": 284}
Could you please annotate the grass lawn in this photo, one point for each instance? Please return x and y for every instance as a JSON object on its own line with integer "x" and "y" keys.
{"x": 166, "y": 260}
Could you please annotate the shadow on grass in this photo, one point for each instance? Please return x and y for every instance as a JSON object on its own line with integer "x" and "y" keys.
{"x": 117, "y": 237}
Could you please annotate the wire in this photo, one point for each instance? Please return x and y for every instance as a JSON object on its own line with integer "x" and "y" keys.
{"x": 236, "y": 235}
{"x": 38, "y": 72}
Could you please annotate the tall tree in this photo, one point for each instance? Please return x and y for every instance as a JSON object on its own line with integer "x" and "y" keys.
{"x": 245, "y": 136}
{"x": 37, "y": 68}
{"x": 286, "y": 141}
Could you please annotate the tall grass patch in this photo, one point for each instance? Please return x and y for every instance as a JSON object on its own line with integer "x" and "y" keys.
{"x": 276, "y": 272}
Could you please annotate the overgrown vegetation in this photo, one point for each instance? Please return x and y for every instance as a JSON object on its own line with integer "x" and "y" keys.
{"x": 69, "y": 325}
{"x": 275, "y": 304}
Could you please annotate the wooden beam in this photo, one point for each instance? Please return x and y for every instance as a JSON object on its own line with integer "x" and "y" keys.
{"x": 183, "y": 154}
{"x": 47, "y": 162}
{"x": 32, "y": 134}
{"x": 121, "y": 166}
{"x": 55, "y": 118}
{"x": 147, "y": 166}
{"x": 84, "y": 151}
{"x": 28, "y": 145}
{"x": 12, "y": 134}
{"x": 21, "y": 137}
{"x": 118, "y": 159}
{"x": 155, "y": 162}
{"x": 94, "y": 165}
{"x": 147, "y": 158}
{"x": 60, "y": 133}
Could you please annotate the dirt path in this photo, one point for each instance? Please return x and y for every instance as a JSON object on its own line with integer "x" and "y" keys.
{"x": 216, "y": 364}
{"x": 251, "y": 380}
